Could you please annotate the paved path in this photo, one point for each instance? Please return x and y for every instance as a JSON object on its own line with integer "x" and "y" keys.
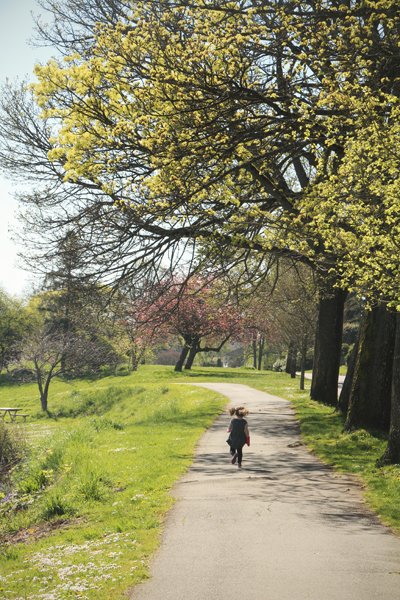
{"x": 285, "y": 527}
{"x": 340, "y": 380}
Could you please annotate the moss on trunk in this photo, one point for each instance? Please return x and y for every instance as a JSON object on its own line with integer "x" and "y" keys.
{"x": 369, "y": 401}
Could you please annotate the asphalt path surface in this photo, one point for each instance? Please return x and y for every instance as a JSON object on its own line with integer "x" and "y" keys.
{"x": 284, "y": 527}
{"x": 340, "y": 381}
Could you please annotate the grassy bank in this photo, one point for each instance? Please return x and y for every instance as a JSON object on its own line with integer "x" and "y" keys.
{"x": 98, "y": 480}
{"x": 92, "y": 495}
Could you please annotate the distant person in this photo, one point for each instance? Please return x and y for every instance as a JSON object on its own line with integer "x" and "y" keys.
{"x": 238, "y": 433}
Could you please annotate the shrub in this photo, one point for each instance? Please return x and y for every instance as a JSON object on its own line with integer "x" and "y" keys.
{"x": 54, "y": 458}
{"x": 101, "y": 423}
{"x": 279, "y": 365}
{"x": 91, "y": 480}
{"x": 348, "y": 354}
{"x": 12, "y": 447}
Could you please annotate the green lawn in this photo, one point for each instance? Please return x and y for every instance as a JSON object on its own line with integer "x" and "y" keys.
{"x": 102, "y": 465}
{"x": 103, "y": 462}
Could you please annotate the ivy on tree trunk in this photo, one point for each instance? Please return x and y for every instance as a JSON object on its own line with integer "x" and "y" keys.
{"x": 260, "y": 353}
{"x": 304, "y": 347}
{"x": 293, "y": 362}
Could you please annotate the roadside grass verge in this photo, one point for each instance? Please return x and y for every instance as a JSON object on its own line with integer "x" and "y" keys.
{"x": 354, "y": 452}
{"x": 102, "y": 477}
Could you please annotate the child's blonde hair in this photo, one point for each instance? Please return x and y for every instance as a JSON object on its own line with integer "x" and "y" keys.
{"x": 240, "y": 411}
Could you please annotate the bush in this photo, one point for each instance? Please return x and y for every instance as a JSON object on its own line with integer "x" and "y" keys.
{"x": 54, "y": 457}
{"x": 12, "y": 447}
{"x": 22, "y": 375}
{"x": 348, "y": 354}
{"x": 101, "y": 423}
{"x": 91, "y": 480}
{"x": 279, "y": 365}
{"x": 167, "y": 357}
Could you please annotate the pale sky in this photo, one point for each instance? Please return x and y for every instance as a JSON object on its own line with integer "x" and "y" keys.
{"x": 17, "y": 60}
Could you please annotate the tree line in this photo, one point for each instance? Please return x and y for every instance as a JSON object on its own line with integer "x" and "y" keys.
{"x": 69, "y": 331}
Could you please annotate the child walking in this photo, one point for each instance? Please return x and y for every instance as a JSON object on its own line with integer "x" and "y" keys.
{"x": 238, "y": 433}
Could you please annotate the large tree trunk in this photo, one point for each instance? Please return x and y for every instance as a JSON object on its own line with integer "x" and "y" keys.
{"x": 343, "y": 403}
{"x": 328, "y": 343}
{"x": 369, "y": 403}
{"x": 181, "y": 359}
{"x": 392, "y": 452}
{"x": 191, "y": 357}
{"x": 43, "y": 401}
{"x": 288, "y": 368}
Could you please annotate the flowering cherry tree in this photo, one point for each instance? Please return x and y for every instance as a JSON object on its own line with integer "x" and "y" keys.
{"x": 193, "y": 311}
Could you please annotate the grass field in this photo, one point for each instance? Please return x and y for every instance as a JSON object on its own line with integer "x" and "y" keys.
{"x": 93, "y": 493}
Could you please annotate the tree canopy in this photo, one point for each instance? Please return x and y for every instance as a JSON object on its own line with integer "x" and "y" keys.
{"x": 216, "y": 126}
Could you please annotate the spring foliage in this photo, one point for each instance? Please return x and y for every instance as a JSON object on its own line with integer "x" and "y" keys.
{"x": 258, "y": 126}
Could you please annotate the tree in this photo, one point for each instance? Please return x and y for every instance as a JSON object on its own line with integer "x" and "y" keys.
{"x": 293, "y": 309}
{"x": 135, "y": 190}
{"x": 16, "y": 321}
{"x": 370, "y": 393}
{"x": 139, "y": 329}
{"x": 196, "y": 310}
{"x": 392, "y": 452}
{"x": 219, "y": 130}
{"x": 43, "y": 355}
{"x": 260, "y": 326}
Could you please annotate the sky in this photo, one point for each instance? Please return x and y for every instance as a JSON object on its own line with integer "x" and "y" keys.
{"x": 17, "y": 60}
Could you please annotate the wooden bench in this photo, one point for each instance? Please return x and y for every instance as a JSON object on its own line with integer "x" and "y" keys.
{"x": 23, "y": 416}
{"x": 11, "y": 412}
